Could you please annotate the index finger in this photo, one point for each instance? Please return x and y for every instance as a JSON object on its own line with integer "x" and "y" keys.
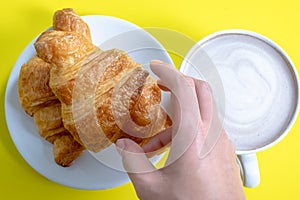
{"x": 186, "y": 114}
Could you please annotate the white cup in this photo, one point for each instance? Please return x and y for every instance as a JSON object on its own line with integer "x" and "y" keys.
{"x": 208, "y": 48}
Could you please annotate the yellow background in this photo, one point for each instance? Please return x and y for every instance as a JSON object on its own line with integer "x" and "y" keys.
{"x": 21, "y": 21}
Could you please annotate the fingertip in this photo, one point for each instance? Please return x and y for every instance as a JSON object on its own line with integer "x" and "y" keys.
{"x": 128, "y": 145}
{"x": 156, "y": 62}
{"x": 120, "y": 144}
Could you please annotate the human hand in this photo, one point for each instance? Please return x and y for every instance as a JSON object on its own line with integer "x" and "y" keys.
{"x": 189, "y": 173}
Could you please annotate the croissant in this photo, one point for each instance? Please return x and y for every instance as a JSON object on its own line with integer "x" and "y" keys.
{"x": 104, "y": 95}
{"x": 82, "y": 97}
{"x": 49, "y": 123}
{"x": 33, "y": 86}
{"x": 38, "y": 100}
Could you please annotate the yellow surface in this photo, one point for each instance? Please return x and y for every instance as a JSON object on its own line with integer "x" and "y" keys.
{"x": 21, "y": 21}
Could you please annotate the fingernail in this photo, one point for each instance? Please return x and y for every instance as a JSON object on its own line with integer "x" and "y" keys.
{"x": 157, "y": 61}
{"x": 120, "y": 145}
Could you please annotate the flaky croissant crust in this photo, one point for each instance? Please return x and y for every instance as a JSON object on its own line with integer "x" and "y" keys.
{"x": 85, "y": 83}
{"x": 103, "y": 95}
{"x": 38, "y": 100}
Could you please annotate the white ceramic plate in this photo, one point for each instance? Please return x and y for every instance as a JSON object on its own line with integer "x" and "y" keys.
{"x": 87, "y": 172}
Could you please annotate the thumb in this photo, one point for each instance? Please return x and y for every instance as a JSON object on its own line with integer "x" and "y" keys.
{"x": 140, "y": 170}
{"x": 134, "y": 158}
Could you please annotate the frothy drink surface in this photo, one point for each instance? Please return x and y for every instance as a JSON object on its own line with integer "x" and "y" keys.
{"x": 260, "y": 91}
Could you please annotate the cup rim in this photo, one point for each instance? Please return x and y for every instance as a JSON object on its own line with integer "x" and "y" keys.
{"x": 285, "y": 57}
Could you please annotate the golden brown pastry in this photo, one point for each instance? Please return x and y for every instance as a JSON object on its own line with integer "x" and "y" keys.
{"x": 49, "y": 124}
{"x": 38, "y": 100}
{"x": 66, "y": 149}
{"x": 105, "y": 95}
{"x": 124, "y": 92}
{"x": 33, "y": 86}
{"x": 68, "y": 20}
{"x": 48, "y": 121}
{"x": 81, "y": 96}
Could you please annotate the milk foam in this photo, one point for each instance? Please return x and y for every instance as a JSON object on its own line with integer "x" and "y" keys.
{"x": 260, "y": 96}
